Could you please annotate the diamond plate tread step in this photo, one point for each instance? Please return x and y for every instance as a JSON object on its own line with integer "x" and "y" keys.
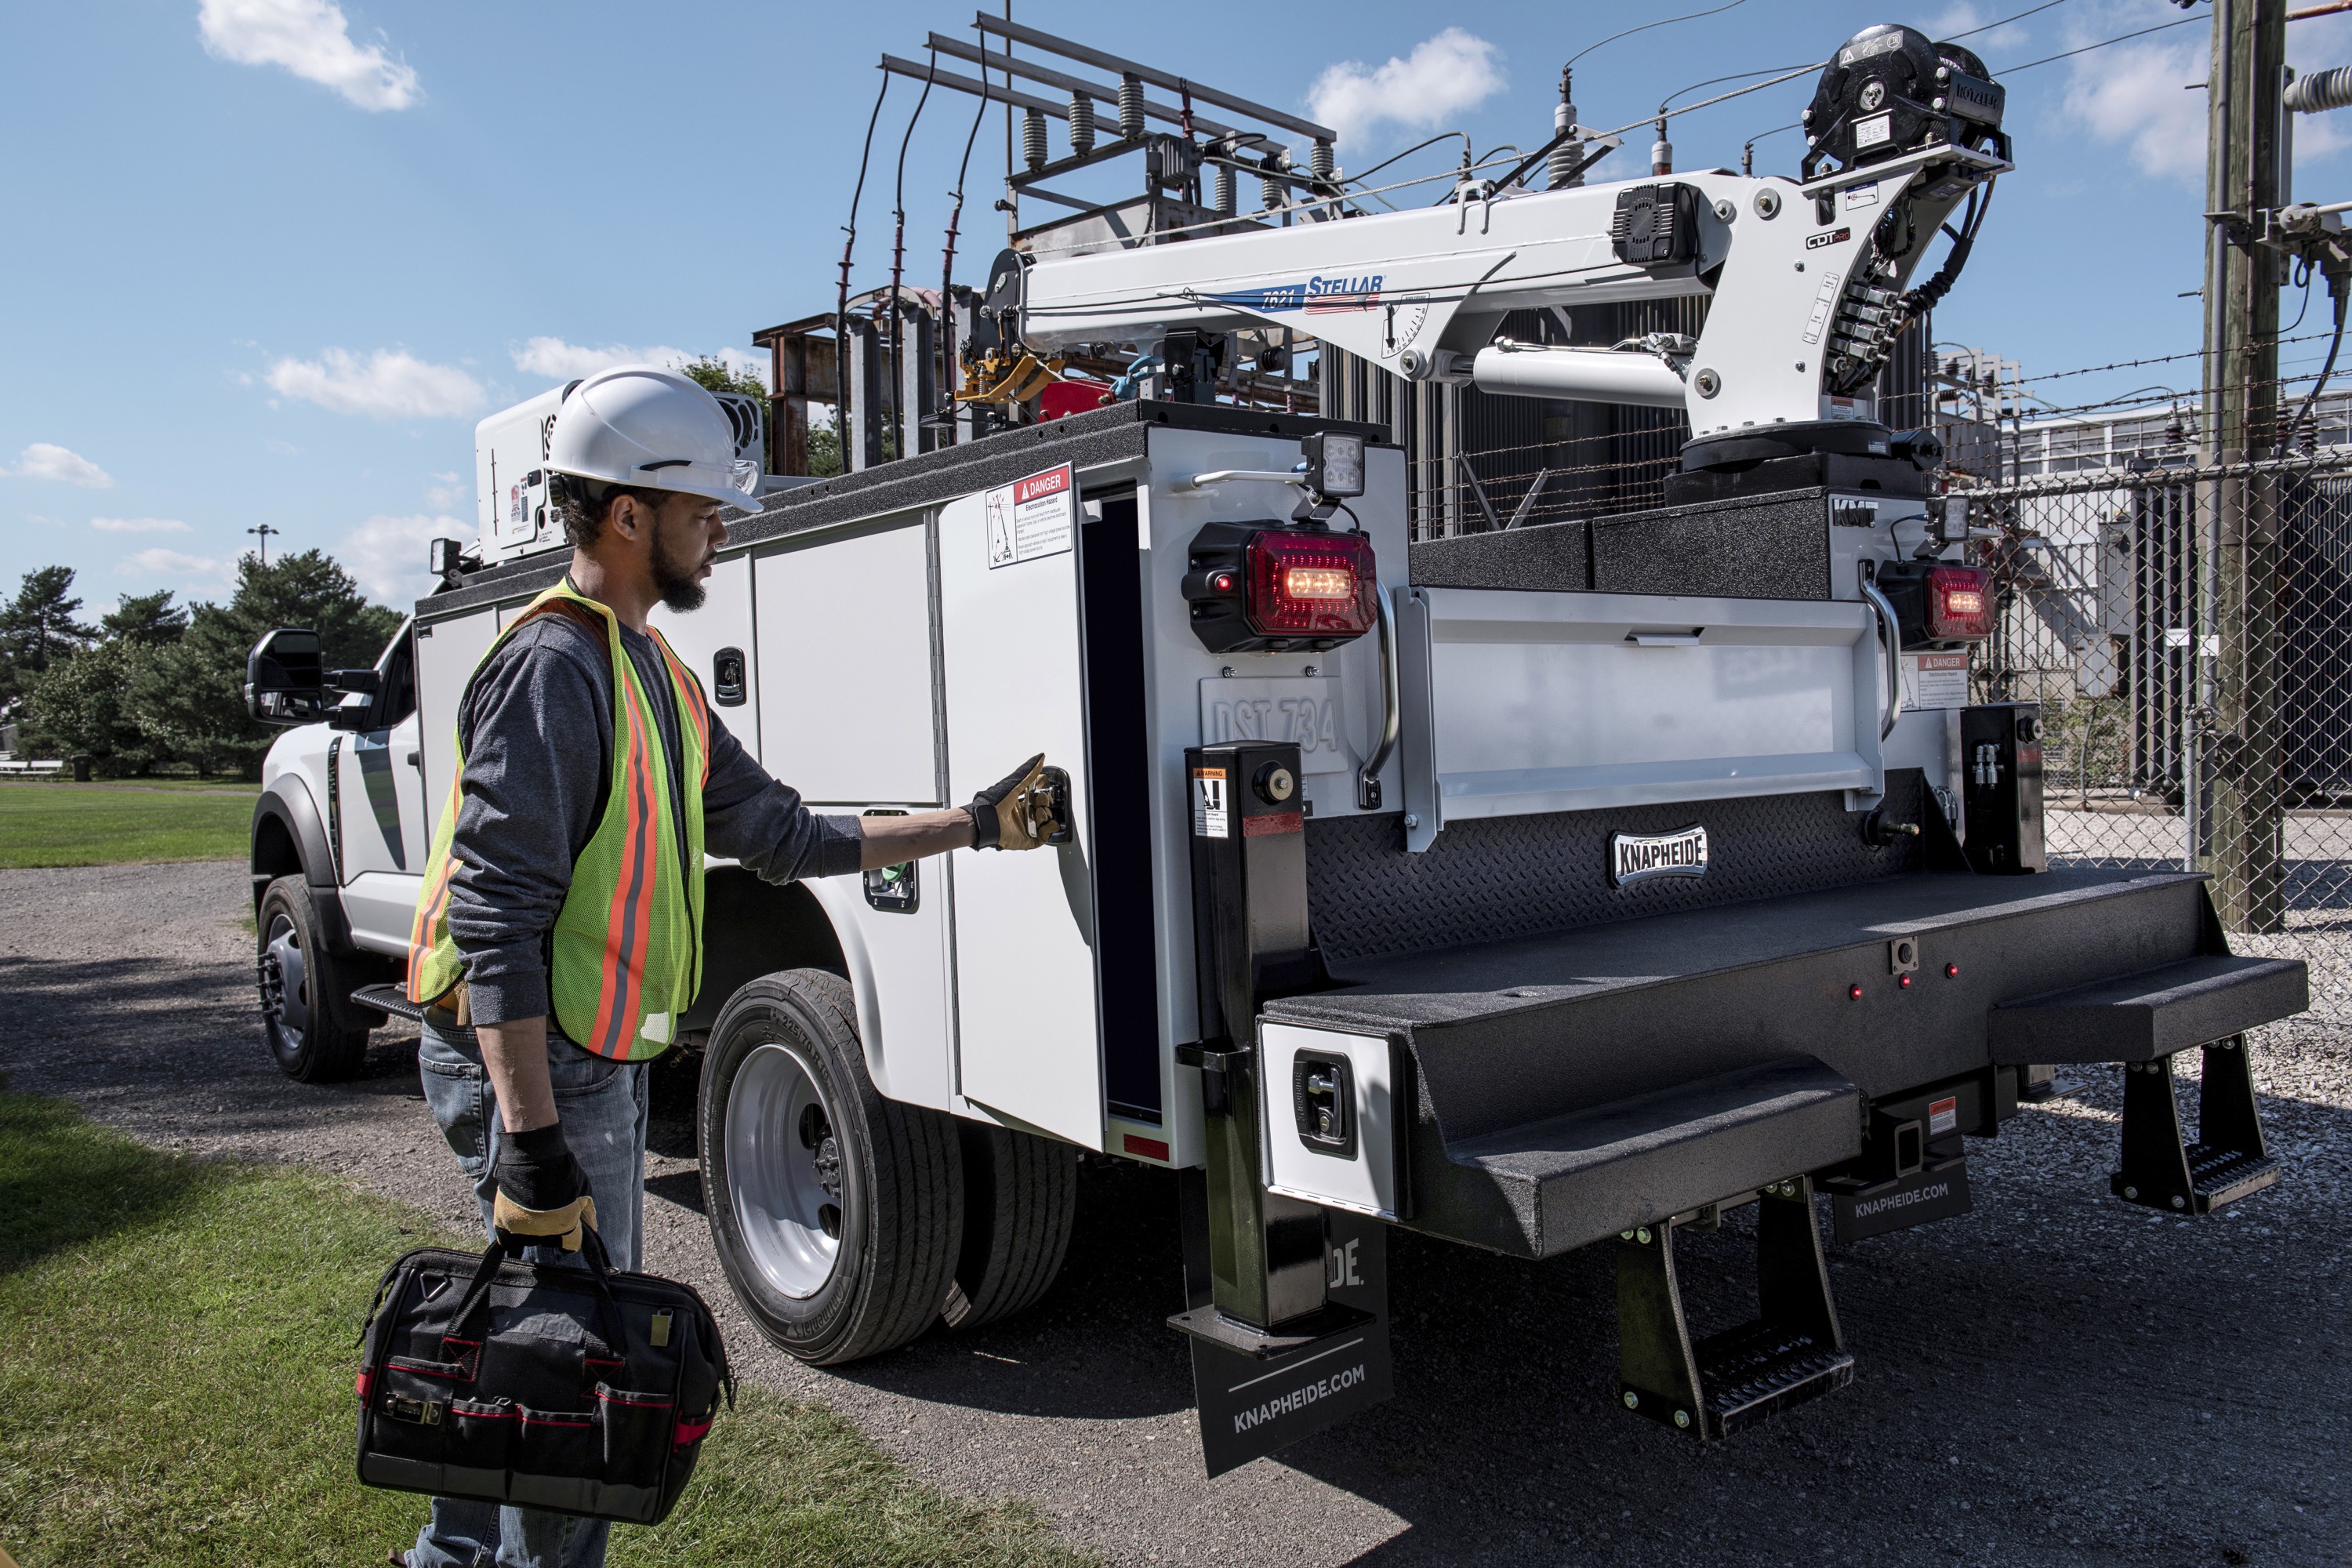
{"x": 389, "y": 999}
{"x": 1758, "y": 1370}
{"x": 2139, "y": 1017}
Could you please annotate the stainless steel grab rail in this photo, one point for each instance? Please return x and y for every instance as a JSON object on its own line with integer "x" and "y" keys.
{"x": 1368, "y": 777}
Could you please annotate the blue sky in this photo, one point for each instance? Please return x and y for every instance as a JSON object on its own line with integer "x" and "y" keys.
{"x": 272, "y": 258}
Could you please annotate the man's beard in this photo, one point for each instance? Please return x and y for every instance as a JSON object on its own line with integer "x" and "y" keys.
{"x": 675, "y": 579}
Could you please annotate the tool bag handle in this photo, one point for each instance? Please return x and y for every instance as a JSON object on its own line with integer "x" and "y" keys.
{"x": 477, "y": 1299}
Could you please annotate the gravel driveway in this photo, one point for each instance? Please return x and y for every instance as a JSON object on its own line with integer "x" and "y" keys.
{"x": 2057, "y": 1378}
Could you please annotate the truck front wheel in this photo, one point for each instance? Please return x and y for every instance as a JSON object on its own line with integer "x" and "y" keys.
{"x": 305, "y": 1017}
{"x": 836, "y": 1213}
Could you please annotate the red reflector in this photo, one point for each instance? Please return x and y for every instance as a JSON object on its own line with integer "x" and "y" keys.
{"x": 1903, "y": 983}
{"x": 1959, "y": 603}
{"x": 1310, "y": 584}
{"x": 1147, "y": 1148}
{"x": 1854, "y": 992}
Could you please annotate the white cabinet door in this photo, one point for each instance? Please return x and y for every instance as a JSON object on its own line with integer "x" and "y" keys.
{"x": 1026, "y": 1017}
{"x": 845, "y": 715}
{"x": 446, "y": 652}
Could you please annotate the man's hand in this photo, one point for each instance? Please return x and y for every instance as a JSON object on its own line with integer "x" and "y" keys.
{"x": 1025, "y": 809}
{"x": 542, "y": 1194}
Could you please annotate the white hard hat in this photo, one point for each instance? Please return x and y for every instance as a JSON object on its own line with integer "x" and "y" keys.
{"x": 641, "y": 424}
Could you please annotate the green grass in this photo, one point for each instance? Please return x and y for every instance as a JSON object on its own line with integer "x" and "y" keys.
{"x": 175, "y": 1388}
{"x": 106, "y": 824}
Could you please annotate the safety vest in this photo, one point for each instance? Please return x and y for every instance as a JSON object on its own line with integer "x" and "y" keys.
{"x": 625, "y": 957}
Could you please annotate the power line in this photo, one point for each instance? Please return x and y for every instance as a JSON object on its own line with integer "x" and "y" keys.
{"x": 2006, "y": 71}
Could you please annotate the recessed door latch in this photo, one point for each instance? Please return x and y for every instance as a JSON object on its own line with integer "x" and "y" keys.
{"x": 1323, "y": 1094}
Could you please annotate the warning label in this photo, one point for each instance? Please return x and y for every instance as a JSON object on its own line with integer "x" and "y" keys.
{"x": 1032, "y": 518}
{"x": 1935, "y": 680}
{"x": 1210, "y": 816}
{"x": 1943, "y": 1117}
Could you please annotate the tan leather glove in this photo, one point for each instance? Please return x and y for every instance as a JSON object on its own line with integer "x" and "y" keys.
{"x": 540, "y": 1225}
{"x": 1028, "y": 808}
{"x": 542, "y": 1195}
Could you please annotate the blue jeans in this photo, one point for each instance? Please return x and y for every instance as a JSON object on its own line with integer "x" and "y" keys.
{"x": 601, "y": 1105}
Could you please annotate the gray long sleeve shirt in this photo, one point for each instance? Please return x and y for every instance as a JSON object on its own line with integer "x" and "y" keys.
{"x": 537, "y": 727}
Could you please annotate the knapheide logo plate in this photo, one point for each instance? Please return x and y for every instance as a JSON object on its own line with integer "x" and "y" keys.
{"x": 1637, "y": 858}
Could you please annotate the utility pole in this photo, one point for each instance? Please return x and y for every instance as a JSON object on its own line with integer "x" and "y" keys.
{"x": 2235, "y": 779}
{"x": 265, "y": 530}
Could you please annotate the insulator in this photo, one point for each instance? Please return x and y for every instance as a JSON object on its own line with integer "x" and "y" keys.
{"x": 1130, "y": 106}
{"x": 1225, "y": 190}
{"x": 2321, "y": 90}
{"x": 1275, "y": 193}
{"x": 1662, "y": 156}
{"x": 1561, "y": 168}
{"x": 1033, "y": 138}
{"x": 1318, "y": 160}
{"x": 1082, "y": 124}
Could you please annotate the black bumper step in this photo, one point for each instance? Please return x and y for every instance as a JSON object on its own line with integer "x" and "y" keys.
{"x": 2153, "y": 1013}
{"x": 392, "y": 999}
{"x": 1577, "y": 1179}
{"x": 2161, "y": 1170}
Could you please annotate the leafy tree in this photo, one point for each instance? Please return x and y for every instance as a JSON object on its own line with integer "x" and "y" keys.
{"x": 146, "y": 618}
{"x": 85, "y": 705}
{"x": 716, "y": 375}
{"x": 37, "y": 628}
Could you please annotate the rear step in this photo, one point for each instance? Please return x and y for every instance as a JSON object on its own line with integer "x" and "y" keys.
{"x": 392, "y": 999}
{"x": 1793, "y": 1352}
{"x": 2227, "y": 1162}
{"x": 2142, "y": 1021}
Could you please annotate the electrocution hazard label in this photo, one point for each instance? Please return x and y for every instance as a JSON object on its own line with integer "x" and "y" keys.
{"x": 1211, "y": 818}
{"x": 1031, "y": 517}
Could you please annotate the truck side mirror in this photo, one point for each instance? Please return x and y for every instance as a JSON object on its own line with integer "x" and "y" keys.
{"x": 286, "y": 678}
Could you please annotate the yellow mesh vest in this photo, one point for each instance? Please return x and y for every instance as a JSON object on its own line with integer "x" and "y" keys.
{"x": 626, "y": 957}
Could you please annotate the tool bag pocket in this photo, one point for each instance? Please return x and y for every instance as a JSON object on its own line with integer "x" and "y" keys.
{"x": 543, "y": 1386}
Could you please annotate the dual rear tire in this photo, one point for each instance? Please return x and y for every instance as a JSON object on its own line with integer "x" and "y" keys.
{"x": 848, "y": 1223}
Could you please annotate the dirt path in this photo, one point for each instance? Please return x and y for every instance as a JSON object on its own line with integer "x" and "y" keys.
{"x": 2054, "y": 1379}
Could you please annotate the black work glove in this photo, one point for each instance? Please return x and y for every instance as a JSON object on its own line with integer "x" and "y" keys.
{"x": 1023, "y": 810}
{"x": 543, "y": 1193}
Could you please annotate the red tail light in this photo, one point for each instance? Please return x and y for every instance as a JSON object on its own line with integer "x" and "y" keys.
{"x": 1960, "y": 604}
{"x": 1276, "y": 590}
{"x": 1310, "y": 584}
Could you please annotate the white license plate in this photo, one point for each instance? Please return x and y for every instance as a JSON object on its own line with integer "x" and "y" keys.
{"x": 1302, "y": 708}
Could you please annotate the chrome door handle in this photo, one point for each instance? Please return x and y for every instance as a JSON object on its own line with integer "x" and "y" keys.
{"x": 1368, "y": 778}
{"x": 1890, "y": 636}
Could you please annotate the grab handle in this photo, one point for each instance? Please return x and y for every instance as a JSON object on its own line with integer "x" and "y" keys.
{"x": 1368, "y": 778}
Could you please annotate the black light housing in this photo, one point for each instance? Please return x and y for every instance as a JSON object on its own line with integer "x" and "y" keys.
{"x": 1335, "y": 464}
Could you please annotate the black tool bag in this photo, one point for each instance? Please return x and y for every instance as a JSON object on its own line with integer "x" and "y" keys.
{"x": 574, "y": 1390}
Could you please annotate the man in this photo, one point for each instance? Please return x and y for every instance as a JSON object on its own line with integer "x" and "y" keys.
{"x": 566, "y": 875}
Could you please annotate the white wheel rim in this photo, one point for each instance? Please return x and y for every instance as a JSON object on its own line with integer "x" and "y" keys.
{"x": 785, "y": 1180}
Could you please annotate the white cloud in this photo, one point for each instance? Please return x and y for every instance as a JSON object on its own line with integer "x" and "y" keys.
{"x": 445, "y": 492}
{"x": 559, "y": 360}
{"x": 390, "y": 384}
{"x": 1443, "y": 76}
{"x": 161, "y": 563}
{"x": 2132, "y": 95}
{"x": 138, "y": 525}
{"x": 313, "y": 39}
{"x": 386, "y": 555}
{"x": 43, "y": 461}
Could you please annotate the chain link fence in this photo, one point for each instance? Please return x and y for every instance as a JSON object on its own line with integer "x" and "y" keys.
{"x": 2189, "y": 634}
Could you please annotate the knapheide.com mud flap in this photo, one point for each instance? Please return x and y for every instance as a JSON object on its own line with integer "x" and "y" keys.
{"x": 1260, "y": 1392}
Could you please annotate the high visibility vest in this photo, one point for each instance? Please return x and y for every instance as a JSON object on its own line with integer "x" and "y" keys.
{"x": 625, "y": 956}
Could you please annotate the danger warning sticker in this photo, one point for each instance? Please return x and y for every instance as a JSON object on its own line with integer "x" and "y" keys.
{"x": 1944, "y": 1116}
{"x": 1032, "y": 518}
{"x": 1210, "y": 816}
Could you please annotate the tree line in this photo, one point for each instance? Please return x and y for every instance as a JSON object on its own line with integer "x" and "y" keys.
{"x": 154, "y": 685}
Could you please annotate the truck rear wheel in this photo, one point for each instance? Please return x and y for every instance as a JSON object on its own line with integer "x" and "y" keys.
{"x": 835, "y": 1212}
{"x": 305, "y": 1012}
{"x": 1020, "y": 1194}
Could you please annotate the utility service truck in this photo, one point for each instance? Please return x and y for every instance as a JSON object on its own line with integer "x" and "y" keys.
{"x": 1555, "y": 886}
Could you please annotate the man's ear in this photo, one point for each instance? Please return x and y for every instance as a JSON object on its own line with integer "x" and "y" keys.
{"x": 629, "y": 517}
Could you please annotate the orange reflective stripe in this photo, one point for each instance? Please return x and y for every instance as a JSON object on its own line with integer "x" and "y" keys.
{"x": 698, "y": 706}
{"x": 630, "y": 914}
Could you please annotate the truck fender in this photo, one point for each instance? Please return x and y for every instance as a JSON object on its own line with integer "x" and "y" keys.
{"x": 839, "y": 897}
{"x": 286, "y": 827}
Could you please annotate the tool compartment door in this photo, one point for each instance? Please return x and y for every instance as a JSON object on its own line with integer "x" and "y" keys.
{"x": 1028, "y": 1044}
